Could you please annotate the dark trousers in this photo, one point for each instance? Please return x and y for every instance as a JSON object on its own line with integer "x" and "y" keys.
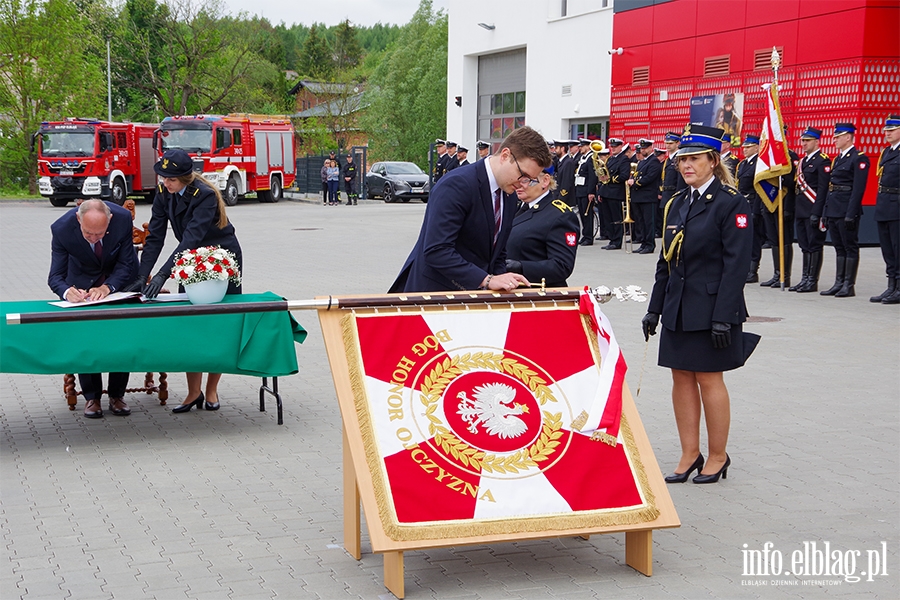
{"x": 92, "y": 385}
{"x": 759, "y": 236}
{"x": 611, "y": 210}
{"x": 846, "y": 243}
{"x": 350, "y": 188}
{"x": 325, "y": 191}
{"x": 333, "y": 191}
{"x": 644, "y": 214}
{"x": 889, "y": 240}
{"x": 586, "y": 216}
{"x": 659, "y": 219}
{"x": 809, "y": 237}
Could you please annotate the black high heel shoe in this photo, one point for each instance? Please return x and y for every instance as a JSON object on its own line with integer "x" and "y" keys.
{"x": 714, "y": 477}
{"x": 682, "y": 477}
{"x": 181, "y": 408}
{"x": 211, "y": 405}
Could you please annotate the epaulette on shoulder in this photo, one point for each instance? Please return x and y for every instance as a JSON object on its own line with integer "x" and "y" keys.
{"x": 564, "y": 192}
{"x": 823, "y": 155}
{"x": 159, "y": 186}
{"x": 681, "y": 192}
{"x": 562, "y": 206}
{"x": 730, "y": 190}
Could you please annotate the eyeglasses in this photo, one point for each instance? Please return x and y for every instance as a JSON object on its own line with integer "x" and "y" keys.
{"x": 524, "y": 179}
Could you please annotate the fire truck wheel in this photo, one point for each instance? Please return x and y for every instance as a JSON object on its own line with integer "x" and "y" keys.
{"x": 276, "y": 192}
{"x": 58, "y": 202}
{"x": 117, "y": 191}
{"x": 230, "y": 195}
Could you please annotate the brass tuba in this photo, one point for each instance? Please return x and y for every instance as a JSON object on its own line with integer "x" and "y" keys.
{"x": 599, "y": 166}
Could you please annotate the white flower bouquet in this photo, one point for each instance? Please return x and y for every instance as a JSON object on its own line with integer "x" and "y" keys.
{"x": 206, "y": 264}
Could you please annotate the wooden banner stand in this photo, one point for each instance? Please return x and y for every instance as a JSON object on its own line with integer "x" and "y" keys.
{"x": 359, "y": 487}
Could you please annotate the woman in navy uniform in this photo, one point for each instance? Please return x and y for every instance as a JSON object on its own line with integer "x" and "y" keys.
{"x": 544, "y": 235}
{"x": 699, "y": 293}
{"x": 196, "y": 211}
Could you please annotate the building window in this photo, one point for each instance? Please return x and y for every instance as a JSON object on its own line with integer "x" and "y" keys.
{"x": 506, "y": 113}
{"x": 717, "y": 66}
{"x": 590, "y": 130}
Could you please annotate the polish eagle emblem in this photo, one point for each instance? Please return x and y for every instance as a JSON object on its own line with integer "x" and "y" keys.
{"x": 493, "y": 408}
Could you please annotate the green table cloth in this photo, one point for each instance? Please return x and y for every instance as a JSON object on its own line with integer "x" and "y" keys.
{"x": 256, "y": 344}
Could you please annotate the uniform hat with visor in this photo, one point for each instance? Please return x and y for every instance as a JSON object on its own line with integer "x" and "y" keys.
{"x": 844, "y": 128}
{"x": 438, "y": 142}
{"x": 699, "y": 139}
{"x": 614, "y": 142}
{"x": 892, "y": 122}
{"x": 482, "y": 145}
{"x": 750, "y": 140}
{"x": 174, "y": 163}
{"x": 811, "y": 133}
{"x": 645, "y": 143}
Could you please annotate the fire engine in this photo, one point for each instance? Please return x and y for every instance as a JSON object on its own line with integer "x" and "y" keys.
{"x": 84, "y": 158}
{"x": 239, "y": 153}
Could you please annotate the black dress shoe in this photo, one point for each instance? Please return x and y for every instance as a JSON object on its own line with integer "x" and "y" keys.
{"x": 211, "y": 405}
{"x": 612, "y": 247}
{"x": 682, "y": 477}
{"x": 714, "y": 477}
{"x": 645, "y": 250}
{"x": 586, "y": 243}
{"x": 181, "y": 408}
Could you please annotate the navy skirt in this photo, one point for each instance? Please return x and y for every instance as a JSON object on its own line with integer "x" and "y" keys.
{"x": 693, "y": 350}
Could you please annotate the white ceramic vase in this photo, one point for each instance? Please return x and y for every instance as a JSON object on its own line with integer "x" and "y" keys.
{"x": 207, "y": 292}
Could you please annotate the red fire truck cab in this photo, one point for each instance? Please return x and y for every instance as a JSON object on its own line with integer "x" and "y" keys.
{"x": 85, "y": 158}
{"x": 239, "y": 153}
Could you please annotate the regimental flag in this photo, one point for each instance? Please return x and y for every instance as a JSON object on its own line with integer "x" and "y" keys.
{"x": 495, "y": 420}
{"x": 774, "y": 160}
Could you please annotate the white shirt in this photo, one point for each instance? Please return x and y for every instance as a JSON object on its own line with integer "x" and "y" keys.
{"x": 702, "y": 188}
{"x": 538, "y": 199}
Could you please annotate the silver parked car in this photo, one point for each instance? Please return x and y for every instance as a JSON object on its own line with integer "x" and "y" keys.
{"x": 397, "y": 180}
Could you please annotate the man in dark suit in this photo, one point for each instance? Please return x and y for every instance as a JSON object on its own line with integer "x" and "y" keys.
{"x": 887, "y": 210}
{"x": 462, "y": 243}
{"x": 746, "y": 171}
{"x": 645, "y": 196}
{"x": 813, "y": 175}
{"x": 612, "y": 193}
{"x": 843, "y": 208}
{"x": 585, "y": 191}
{"x": 92, "y": 257}
{"x": 565, "y": 175}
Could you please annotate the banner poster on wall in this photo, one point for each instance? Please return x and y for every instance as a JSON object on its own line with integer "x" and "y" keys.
{"x": 719, "y": 110}
{"x": 491, "y": 421}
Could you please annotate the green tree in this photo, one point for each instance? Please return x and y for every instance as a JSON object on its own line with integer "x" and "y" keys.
{"x": 48, "y": 70}
{"x": 347, "y": 51}
{"x": 407, "y": 94}
{"x": 315, "y": 56}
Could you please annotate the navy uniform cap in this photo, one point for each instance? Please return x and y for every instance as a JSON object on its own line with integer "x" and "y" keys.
{"x": 892, "y": 122}
{"x": 174, "y": 163}
{"x": 438, "y": 142}
{"x": 462, "y": 149}
{"x": 843, "y": 128}
{"x": 451, "y": 144}
{"x": 645, "y": 143}
{"x": 751, "y": 139}
{"x": 482, "y": 145}
{"x": 811, "y": 133}
{"x": 614, "y": 142}
{"x": 726, "y": 139}
{"x": 584, "y": 142}
{"x": 671, "y": 136}
{"x": 659, "y": 151}
{"x": 698, "y": 139}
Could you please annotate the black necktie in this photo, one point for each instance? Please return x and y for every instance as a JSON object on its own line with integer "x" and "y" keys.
{"x": 98, "y": 249}
{"x": 695, "y": 196}
{"x": 522, "y": 209}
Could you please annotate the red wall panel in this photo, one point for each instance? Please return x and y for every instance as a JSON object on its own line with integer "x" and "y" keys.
{"x": 842, "y": 37}
{"x": 809, "y": 8}
{"x": 765, "y": 38}
{"x": 716, "y": 16}
{"x": 880, "y": 38}
{"x": 763, "y": 12}
{"x": 674, "y": 60}
{"x": 731, "y": 43}
{"x": 671, "y": 20}
{"x": 631, "y": 27}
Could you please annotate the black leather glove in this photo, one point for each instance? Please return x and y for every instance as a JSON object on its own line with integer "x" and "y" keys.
{"x": 850, "y": 224}
{"x": 151, "y": 290}
{"x": 648, "y": 325}
{"x": 514, "y": 266}
{"x": 134, "y": 286}
{"x": 721, "y": 335}
{"x": 814, "y": 220}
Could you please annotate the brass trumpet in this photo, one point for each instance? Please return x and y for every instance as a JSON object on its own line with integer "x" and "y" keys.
{"x": 627, "y": 221}
{"x": 599, "y": 166}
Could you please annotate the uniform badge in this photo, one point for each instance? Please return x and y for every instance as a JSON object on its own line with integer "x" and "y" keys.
{"x": 862, "y": 165}
{"x": 740, "y": 221}
{"x": 571, "y": 238}
{"x": 827, "y": 169}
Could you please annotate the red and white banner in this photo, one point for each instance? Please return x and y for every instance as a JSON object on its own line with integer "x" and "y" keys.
{"x": 774, "y": 160}
{"x": 497, "y": 416}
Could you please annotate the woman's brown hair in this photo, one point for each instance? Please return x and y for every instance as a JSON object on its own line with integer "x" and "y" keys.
{"x": 191, "y": 178}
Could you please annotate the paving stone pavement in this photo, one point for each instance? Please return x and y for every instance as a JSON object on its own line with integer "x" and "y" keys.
{"x": 228, "y": 504}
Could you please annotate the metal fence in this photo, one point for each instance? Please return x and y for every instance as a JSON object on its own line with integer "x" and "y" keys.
{"x": 309, "y": 170}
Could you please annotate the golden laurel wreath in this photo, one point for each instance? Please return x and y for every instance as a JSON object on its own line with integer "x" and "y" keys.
{"x": 444, "y": 372}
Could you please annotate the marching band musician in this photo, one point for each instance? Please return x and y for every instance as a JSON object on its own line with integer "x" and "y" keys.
{"x": 585, "y": 191}
{"x": 565, "y": 176}
{"x": 645, "y": 196}
{"x": 613, "y": 191}
{"x": 813, "y": 174}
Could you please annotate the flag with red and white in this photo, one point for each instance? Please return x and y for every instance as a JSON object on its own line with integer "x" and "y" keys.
{"x": 497, "y": 414}
{"x": 773, "y": 160}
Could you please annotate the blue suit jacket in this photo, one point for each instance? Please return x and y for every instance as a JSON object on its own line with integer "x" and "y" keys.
{"x": 73, "y": 262}
{"x": 455, "y": 249}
